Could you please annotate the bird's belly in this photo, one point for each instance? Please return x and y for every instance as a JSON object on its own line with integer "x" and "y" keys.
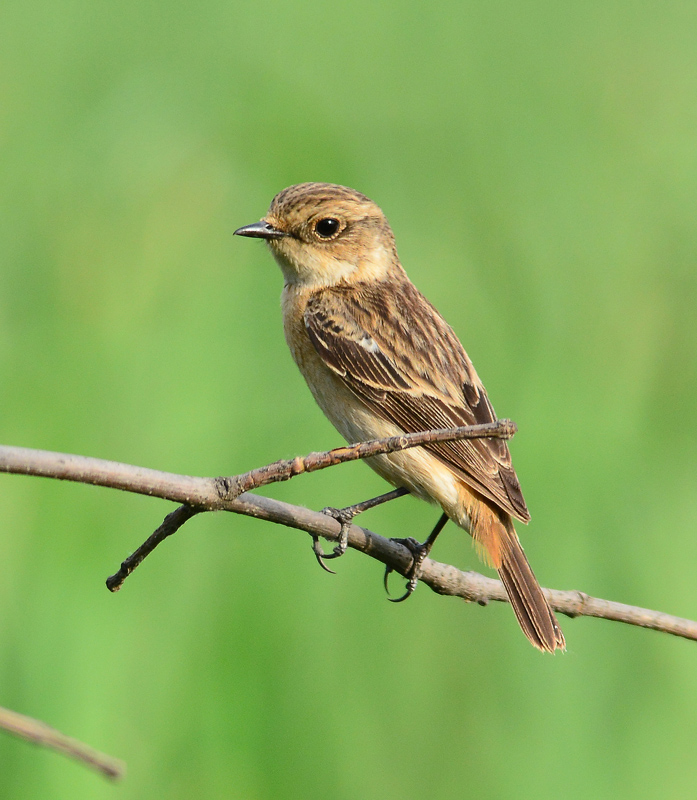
{"x": 414, "y": 469}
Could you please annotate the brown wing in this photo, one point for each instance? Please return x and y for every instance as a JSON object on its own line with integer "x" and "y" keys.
{"x": 399, "y": 356}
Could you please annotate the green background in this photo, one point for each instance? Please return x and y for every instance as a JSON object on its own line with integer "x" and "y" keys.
{"x": 538, "y": 163}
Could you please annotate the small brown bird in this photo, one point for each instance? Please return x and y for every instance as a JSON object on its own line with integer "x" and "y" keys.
{"x": 380, "y": 360}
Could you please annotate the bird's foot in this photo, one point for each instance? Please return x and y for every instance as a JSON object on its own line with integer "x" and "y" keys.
{"x": 419, "y": 553}
{"x": 345, "y": 517}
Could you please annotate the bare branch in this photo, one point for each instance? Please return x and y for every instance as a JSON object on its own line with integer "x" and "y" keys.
{"x": 204, "y": 494}
{"x": 39, "y": 733}
{"x": 285, "y": 469}
{"x": 448, "y": 580}
{"x": 216, "y": 494}
{"x": 232, "y": 487}
{"x": 171, "y": 524}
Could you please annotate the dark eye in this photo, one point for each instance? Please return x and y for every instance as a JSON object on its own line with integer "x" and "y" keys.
{"x": 327, "y": 227}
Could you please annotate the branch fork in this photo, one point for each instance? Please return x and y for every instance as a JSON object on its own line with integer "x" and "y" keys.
{"x": 233, "y": 493}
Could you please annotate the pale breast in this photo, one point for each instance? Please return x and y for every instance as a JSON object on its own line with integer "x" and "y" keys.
{"x": 416, "y": 469}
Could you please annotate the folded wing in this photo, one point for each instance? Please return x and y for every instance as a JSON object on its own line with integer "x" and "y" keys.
{"x": 399, "y": 356}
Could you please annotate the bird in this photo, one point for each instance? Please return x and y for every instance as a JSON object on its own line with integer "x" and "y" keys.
{"x": 380, "y": 360}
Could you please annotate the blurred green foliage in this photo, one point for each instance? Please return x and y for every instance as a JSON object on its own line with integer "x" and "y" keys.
{"x": 537, "y": 161}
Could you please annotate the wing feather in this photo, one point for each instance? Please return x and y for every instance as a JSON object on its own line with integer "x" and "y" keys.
{"x": 397, "y": 354}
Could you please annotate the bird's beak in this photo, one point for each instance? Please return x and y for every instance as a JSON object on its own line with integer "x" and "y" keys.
{"x": 260, "y": 230}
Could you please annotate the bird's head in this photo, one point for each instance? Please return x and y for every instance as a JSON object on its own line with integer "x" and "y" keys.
{"x": 322, "y": 234}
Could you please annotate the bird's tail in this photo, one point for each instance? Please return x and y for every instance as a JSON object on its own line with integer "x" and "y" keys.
{"x": 497, "y": 538}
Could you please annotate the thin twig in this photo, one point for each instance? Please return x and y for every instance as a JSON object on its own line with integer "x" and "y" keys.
{"x": 226, "y": 489}
{"x": 215, "y": 494}
{"x": 285, "y": 469}
{"x": 230, "y": 488}
{"x": 42, "y": 734}
{"x": 171, "y": 524}
{"x": 204, "y": 494}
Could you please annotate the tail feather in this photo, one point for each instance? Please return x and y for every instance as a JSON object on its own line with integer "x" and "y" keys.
{"x": 497, "y": 543}
{"x": 531, "y": 608}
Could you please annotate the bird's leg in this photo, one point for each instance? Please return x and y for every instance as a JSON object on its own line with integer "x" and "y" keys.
{"x": 419, "y": 551}
{"x": 345, "y": 516}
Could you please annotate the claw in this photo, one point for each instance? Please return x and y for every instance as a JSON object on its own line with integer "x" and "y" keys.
{"x": 411, "y": 585}
{"x": 419, "y": 552}
{"x": 385, "y": 578}
{"x": 343, "y": 516}
{"x": 319, "y": 555}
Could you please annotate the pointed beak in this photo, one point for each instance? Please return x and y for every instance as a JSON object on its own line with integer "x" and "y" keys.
{"x": 260, "y": 230}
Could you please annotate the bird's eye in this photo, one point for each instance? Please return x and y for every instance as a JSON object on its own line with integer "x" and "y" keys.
{"x": 327, "y": 228}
